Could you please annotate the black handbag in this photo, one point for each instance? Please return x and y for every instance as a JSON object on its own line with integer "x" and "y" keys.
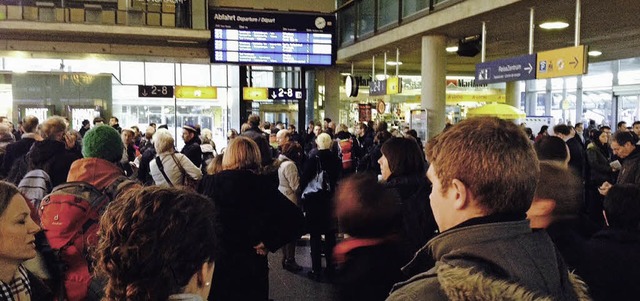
{"x": 319, "y": 183}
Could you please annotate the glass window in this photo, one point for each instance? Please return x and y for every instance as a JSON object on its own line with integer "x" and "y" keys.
{"x": 365, "y": 17}
{"x": 159, "y": 74}
{"x": 219, "y": 75}
{"x": 347, "y": 18}
{"x": 387, "y": 12}
{"x": 629, "y": 72}
{"x": 195, "y": 75}
{"x": 410, "y": 7}
{"x": 132, "y": 73}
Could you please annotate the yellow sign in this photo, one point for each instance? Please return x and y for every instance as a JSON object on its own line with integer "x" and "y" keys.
{"x": 472, "y": 96}
{"x": 562, "y": 62}
{"x": 251, "y": 93}
{"x": 394, "y": 85}
{"x": 196, "y": 92}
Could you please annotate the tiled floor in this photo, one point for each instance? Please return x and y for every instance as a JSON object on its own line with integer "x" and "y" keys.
{"x": 287, "y": 286}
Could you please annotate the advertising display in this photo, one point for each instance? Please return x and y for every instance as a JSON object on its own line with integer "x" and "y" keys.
{"x": 273, "y": 38}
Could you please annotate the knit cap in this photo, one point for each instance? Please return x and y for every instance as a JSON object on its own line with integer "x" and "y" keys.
{"x": 102, "y": 142}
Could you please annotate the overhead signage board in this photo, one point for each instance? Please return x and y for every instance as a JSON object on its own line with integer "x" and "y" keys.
{"x": 378, "y": 87}
{"x": 394, "y": 85}
{"x": 273, "y": 38}
{"x": 562, "y": 62}
{"x": 505, "y": 70}
{"x": 155, "y": 91}
{"x": 286, "y": 93}
{"x": 196, "y": 92}
{"x": 252, "y": 93}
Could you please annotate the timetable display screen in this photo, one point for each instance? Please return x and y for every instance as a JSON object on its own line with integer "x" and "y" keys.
{"x": 250, "y": 37}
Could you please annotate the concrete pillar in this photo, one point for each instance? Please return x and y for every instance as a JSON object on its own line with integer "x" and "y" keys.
{"x": 548, "y": 100}
{"x": 310, "y": 83}
{"x": 513, "y": 94}
{"x": 332, "y": 84}
{"x": 578, "y": 100}
{"x": 433, "y": 95}
{"x": 531, "y": 97}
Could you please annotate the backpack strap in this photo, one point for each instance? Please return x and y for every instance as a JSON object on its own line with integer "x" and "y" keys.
{"x": 161, "y": 168}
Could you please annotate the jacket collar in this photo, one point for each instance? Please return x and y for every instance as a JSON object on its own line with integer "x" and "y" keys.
{"x": 97, "y": 172}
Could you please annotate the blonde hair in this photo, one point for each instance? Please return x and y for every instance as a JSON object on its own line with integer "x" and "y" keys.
{"x": 215, "y": 166}
{"x": 163, "y": 141}
{"x": 323, "y": 141}
{"x": 242, "y": 153}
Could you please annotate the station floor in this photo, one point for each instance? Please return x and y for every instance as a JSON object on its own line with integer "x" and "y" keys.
{"x": 288, "y": 286}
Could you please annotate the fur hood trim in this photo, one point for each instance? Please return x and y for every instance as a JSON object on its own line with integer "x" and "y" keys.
{"x": 464, "y": 284}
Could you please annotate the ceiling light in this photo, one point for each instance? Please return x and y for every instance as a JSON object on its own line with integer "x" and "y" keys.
{"x": 554, "y": 25}
{"x": 594, "y": 53}
{"x": 345, "y": 73}
{"x": 393, "y": 63}
{"x": 452, "y": 49}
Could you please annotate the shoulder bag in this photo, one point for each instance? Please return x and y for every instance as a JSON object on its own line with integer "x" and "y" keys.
{"x": 319, "y": 183}
{"x": 187, "y": 180}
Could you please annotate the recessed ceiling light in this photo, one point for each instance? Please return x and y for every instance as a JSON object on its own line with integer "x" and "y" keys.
{"x": 393, "y": 63}
{"x": 554, "y": 25}
{"x": 345, "y": 73}
{"x": 452, "y": 49}
{"x": 594, "y": 53}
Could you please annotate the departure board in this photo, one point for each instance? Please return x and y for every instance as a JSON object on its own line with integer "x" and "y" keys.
{"x": 255, "y": 37}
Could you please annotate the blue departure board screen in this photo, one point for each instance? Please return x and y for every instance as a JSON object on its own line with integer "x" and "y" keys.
{"x": 272, "y": 38}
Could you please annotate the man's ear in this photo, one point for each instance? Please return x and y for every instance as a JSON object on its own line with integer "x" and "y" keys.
{"x": 541, "y": 207}
{"x": 461, "y": 192}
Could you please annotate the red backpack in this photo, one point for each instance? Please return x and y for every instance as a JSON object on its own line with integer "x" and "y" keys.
{"x": 345, "y": 146}
{"x": 69, "y": 217}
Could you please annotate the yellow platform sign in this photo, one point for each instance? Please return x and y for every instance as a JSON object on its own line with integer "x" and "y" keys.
{"x": 196, "y": 92}
{"x": 562, "y": 62}
{"x": 252, "y": 93}
{"x": 394, "y": 85}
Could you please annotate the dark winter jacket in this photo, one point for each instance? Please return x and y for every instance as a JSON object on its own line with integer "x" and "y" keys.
{"x": 418, "y": 223}
{"x": 52, "y": 157}
{"x": 630, "y": 171}
{"x": 193, "y": 151}
{"x": 319, "y": 206}
{"x": 250, "y": 210}
{"x": 263, "y": 143}
{"x": 599, "y": 168}
{"x": 491, "y": 261}
{"x": 576, "y": 153}
{"x": 570, "y": 234}
{"x": 611, "y": 265}
{"x": 16, "y": 150}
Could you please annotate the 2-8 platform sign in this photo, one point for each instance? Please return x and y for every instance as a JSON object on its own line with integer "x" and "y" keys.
{"x": 155, "y": 91}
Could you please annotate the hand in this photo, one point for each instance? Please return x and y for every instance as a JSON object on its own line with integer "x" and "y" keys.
{"x": 604, "y": 188}
{"x": 261, "y": 249}
{"x": 70, "y": 141}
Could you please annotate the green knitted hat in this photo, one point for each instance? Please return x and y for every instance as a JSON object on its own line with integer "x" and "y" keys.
{"x": 102, "y": 142}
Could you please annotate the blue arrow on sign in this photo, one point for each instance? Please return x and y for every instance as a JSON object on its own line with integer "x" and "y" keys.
{"x": 506, "y": 70}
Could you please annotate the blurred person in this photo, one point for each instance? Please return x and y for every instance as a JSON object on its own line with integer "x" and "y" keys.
{"x": 191, "y": 148}
{"x": 611, "y": 260}
{"x": 16, "y": 151}
{"x": 295, "y": 136}
{"x": 318, "y": 206}
{"x": 153, "y": 124}
{"x": 282, "y": 137}
{"x": 231, "y": 134}
{"x": 542, "y": 133}
{"x": 579, "y": 128}
{"x": 142, "y": 263}
{"x": 623, "y": 145}
{"x": 374, "y": 154}
{"x": 128, "y": 151}
{"x": 260, "y": 138}
{"x": 622, "y": 127}
{"x": 215, "y": 166}
{"x": 164, "y": 168}
{"x": 115, "y": 123}
{"x": 636, "y": 128}
{"x": 208, "y": 148}
{"x": 17, "y": 244}
{"x": 600, "y": 171}
{"x": 255, "y": 218}
{"x": 147, "y": 141}
{"x": 86, "y": 125}
{"x": 552, "y": 148}
{"x": 289, "y": 186}
{"x": 6, "y": 138}
{"x": 98, "y": 121}
{"x": 486, "y": 248}
{"x": 403, "y": 171}
{"x": 576, "y": 151}
{"x": 370, "y": 260}
{"x": 137, "y": 136}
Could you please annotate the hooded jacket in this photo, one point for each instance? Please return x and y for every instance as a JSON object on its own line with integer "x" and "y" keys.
{"x": 492, "y": 261}
{"x": 52, "y": 157}
{"x": 97, "y": 172}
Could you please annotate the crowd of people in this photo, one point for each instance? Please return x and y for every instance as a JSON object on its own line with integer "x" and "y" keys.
{"x": 483, "y": 211}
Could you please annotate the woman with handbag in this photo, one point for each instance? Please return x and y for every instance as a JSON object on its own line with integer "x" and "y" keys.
{"x": 319, "y": 178}
{"x": 170, "y": 168}
{"x": 255, "y": 218}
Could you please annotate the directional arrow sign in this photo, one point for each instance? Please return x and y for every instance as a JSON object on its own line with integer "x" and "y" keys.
{"x": 155, "y": 91}
{"x": 286, "y": 93}
{"x": 505, "y": 70}
{"x": 562, "y": 62}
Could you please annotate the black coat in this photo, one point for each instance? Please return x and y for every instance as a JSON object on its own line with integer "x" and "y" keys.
{"x": 263, "y": 143}
{"x": 611, "y": 265}
{"x": 319, "y": 207}
{"x": 193, "y": 151}
{"x": 577, "y": 160}
{"x": 250, "y": 210}
{"x": 52, "y": 157}
{"x": 418, "y": 223}
{"x": 13, "y": 151}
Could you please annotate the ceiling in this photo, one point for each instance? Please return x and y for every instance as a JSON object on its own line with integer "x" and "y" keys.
{"x": 612, "y": 27}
